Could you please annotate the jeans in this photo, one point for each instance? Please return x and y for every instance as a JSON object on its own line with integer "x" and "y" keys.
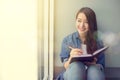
{"x": 79, "y": 71}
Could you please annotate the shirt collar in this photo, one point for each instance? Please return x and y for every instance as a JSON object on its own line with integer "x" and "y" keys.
{"x": 76, "y": 35}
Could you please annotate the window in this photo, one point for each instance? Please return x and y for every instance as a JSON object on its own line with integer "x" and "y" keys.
{"x": 45, "y": 39}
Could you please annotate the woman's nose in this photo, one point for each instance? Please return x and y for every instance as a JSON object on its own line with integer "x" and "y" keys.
{"x": 81, "y": 24}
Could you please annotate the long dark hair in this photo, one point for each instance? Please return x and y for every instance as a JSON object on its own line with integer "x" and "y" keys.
{"x": 92, "y": 33}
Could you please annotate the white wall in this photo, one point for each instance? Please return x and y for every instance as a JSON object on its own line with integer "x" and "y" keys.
{"x": 18, "y": 40}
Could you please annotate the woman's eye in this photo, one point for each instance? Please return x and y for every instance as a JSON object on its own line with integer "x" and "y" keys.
{"x": 79, "y": 20}
{"x": 86, "y": 22}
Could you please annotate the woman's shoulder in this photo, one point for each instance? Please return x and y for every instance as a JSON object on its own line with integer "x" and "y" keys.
{"x": 100, "y": 43}
{"x": 71, "y": 36}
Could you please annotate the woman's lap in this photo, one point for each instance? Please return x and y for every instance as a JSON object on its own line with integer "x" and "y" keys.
{"x": 78, "y": 71}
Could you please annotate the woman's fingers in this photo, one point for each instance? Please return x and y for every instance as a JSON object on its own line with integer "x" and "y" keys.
{"x": 75, "y": 51}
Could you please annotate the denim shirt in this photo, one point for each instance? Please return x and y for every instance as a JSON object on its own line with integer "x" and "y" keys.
{"x": 74, "y": 41}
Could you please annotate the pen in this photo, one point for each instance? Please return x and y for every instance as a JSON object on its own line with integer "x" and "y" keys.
{"x": 70, "y": 47}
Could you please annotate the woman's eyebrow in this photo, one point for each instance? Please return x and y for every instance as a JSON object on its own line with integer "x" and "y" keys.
{"x": 81, "y": 19}
{"x": 78, "y": 18}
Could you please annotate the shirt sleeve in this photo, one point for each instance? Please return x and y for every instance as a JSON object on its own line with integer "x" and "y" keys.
{"x": 101, "y": 57}
{"x": 64, "y": 54}
{"x": 66, "y": 59}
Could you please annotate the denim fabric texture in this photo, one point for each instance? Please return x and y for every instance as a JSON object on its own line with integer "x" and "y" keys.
{"x": 78, "y": 71}
{"x": 74, "y": 41}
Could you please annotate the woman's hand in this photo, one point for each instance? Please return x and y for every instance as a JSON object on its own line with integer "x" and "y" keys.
{"x": 75, "y": 51}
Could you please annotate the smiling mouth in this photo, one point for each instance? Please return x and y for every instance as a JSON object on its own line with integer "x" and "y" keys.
{"x": 81, "y": 29}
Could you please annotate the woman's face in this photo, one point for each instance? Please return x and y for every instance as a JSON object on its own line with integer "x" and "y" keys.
{"x": 82, "y": 24}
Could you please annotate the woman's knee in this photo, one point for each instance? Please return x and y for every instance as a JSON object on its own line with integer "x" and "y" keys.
{"x": 76, "y": 71}
{"x": 77, "y": 65}
{"x": 77, "y": 68}
{"x": 95, "y": 68}
{"x": 94, "y": 72}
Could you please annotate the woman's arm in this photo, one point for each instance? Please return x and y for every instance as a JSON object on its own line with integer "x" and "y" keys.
{"x": 66, "y": 64}
{"x": 74, "y": 51}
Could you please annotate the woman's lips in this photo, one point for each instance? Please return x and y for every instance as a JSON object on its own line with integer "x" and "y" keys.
{"x": 82, "y": 29}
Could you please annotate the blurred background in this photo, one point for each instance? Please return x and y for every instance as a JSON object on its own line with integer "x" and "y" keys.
{"x": 18, "y": 39}
{"x": 31, "y": 33}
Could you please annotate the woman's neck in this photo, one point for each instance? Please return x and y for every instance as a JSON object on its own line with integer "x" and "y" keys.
{"x": 83, "y": 38}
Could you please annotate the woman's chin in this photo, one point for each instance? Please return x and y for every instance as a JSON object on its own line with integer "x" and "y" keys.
{"x": 82, "y": 32}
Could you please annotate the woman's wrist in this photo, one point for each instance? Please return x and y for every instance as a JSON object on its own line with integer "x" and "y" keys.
{"x": 66, "y": 64}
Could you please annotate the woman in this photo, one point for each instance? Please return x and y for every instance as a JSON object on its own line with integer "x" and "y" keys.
{"x": 83, "y": 41}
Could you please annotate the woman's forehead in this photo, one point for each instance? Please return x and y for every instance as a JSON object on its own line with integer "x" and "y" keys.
{"x": 82, "y": 16}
